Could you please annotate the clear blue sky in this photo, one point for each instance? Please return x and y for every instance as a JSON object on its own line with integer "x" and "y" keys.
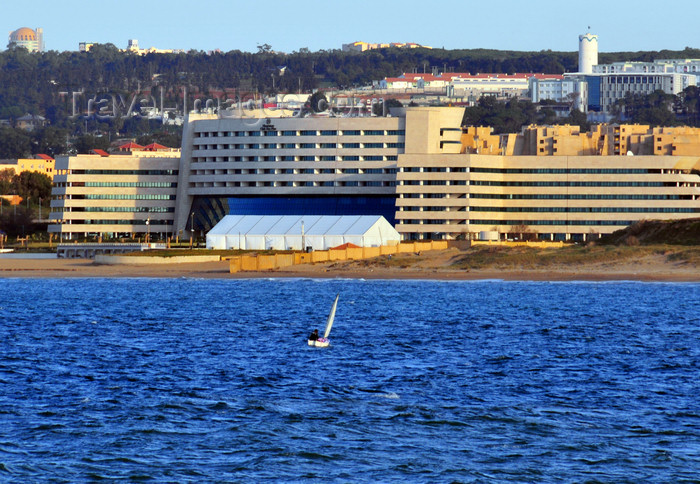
{"x": 621, "y": 25}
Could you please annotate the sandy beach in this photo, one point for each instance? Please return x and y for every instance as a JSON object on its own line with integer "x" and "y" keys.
{"x": 429, "y": 265}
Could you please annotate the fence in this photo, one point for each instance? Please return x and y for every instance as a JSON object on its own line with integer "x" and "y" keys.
{"x": 259, "y": 262}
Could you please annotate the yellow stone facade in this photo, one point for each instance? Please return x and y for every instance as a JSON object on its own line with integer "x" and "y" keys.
{"x": 602, "y": 139}
{"x": 554, "y": 183}
{"x": 39, "y": 165}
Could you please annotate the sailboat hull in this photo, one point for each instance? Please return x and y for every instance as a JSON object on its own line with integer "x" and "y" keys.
{"x": 319, "y": 343}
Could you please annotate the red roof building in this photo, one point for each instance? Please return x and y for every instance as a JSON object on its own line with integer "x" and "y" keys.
{"x": 155, "y": 147}
{"x": 130, "y": 146}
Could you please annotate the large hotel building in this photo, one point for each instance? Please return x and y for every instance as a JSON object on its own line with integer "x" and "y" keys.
{"x": 418, "y": 168}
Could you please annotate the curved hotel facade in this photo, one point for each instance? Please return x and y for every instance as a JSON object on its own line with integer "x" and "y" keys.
{"x": 299, "y": 166}
{"x": 418, "y": 168}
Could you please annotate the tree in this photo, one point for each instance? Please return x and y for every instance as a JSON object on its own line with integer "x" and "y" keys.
{"x": 655, "y": 109}
{"x": 14, "y": 143}
{"x": 317, "y": 102}
{"x": 51, "y": 141}
{"x": 6, "y": 185}
{"x": 17, "y": 222}
{"x": 87, "y": 142}
{"x": 577, "y": 118}
{"x": 33, "y": 185}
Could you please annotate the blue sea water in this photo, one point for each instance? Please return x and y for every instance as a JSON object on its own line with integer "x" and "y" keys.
{"x": 184, "y": 380}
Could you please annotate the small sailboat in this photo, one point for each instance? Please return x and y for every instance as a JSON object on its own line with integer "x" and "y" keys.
{"x": 324, "y": 341}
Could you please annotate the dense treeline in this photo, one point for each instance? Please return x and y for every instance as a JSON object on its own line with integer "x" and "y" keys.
{"x": 43, "y": 83}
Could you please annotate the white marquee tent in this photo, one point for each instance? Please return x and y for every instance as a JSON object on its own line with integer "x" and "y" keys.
{"x": 295, "y": 232}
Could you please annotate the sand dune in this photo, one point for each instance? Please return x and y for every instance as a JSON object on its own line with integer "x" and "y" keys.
{"x": 429, "y": 265}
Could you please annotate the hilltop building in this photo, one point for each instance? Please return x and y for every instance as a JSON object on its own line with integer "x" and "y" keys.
{"x": 665, "y": 66}
{"x": 360, "y": 46}
{"x": 133, "y": 46}
{"x": 32, "y": 40}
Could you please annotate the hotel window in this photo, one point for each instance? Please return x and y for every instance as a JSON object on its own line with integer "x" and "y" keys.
{"x": 308, "y": 133}
{"x": 350, "y": 145}
{"x": 289, "y": 133}
{"x": 328, "y": 145}
{"x": 373, "y": 145}
{"x": 253, "y": 133}
{"x": 352, "y": 132}
{"x": 329, "y": 133}
{"x": 373, "y": 132}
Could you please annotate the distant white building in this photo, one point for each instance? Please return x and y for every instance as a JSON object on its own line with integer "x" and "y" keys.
{"x": 573, "y": 90}
{"x": 133, "y": 46}
{"x": 615, "y": 86}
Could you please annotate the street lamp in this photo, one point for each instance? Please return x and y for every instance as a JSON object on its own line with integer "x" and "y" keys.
{"x": 191, "y": 229}
{"x": 148, "y": 230}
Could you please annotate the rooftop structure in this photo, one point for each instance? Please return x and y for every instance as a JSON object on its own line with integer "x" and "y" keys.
{"x": 587, "y": 52}
{"x": 666, "y": 66}
{"x": 32, "y": 40}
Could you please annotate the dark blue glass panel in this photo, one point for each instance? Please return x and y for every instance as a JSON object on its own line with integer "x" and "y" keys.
{"x": 384, "y": 206}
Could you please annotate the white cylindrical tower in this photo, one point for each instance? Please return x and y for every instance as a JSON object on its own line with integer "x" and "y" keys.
{"x": 587, "y": 52}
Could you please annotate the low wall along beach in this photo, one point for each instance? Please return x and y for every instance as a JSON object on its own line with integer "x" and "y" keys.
{"x": 261, "y": 262}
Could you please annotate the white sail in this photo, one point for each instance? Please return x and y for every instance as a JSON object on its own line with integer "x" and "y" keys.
{"x": 331, "y": 317}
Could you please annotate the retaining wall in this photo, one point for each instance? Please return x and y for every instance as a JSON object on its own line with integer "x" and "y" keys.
{"x": 277, "y": 261}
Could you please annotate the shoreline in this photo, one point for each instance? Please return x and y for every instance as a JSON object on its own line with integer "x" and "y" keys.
{"x": 82, "y": 268}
